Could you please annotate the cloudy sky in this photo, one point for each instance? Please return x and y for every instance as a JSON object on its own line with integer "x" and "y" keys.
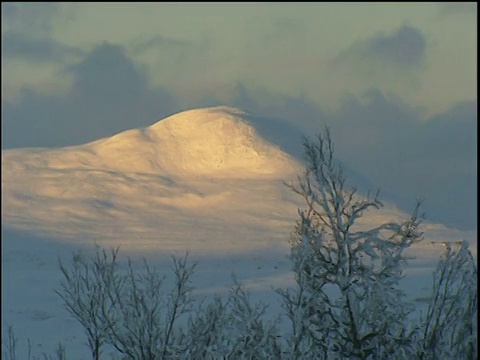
{"x": 396, "y": 82}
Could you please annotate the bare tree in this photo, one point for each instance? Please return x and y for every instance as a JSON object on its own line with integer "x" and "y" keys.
{"x": 347, "y": 302}
{"x": 450, "y": 323}
{"x": 86, "y": 290}
{"x": 144, "y": 319}
{"x": 232, "y": 329}
{"x": 129, "y": 311}
{"x": 136, "y": 307}
{"x": 10, "y": 344}
{"x": 205, "y": 336}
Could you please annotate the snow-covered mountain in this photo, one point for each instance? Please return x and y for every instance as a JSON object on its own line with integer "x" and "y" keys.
{"x": 205, "y": 180}
{"x": 177, "y": 184}
{"x": 169, "y": 183}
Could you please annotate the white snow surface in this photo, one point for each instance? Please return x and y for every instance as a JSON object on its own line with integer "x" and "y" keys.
{"x": 203, "y": 180}
{"x": 168, "y": 184}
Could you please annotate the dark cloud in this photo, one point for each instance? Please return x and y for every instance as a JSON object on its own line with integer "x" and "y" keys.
{"x": 456, "y": 126}
{"x": 445, "y": 159}
{"x": 107, "y": 74}
{"x": 17, "y": 45}
{"x": 110, "y": 94}
{"x": 27, "y": 34}
{"x": 30, "y": 17}
{"x": 404, "y": 49}
{"x": 410, "y": 158}
{"x": 159, "y": 42}
{"x": 457, "y": 8}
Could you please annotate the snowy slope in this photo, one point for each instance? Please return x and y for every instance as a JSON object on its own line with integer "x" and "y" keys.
{"x": 209, "y": 164}
{"x": 205, "y": 180}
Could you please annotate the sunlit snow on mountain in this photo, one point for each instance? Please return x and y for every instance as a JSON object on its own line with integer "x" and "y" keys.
{"x": 206, "y": 180}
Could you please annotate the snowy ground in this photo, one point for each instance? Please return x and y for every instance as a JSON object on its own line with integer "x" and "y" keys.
{"x": 30, "y": 274}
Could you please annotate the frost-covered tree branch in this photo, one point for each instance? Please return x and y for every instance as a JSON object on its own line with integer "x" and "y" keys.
{"x": 85, "y": 292}
{"x": 232, "y": 328}
{"x": 347, "y": 278}
{"x": 129, "y": 311}
{"x": 450, "y": 326}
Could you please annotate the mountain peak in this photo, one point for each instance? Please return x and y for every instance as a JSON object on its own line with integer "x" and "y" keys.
{"x": 204, "y": 122}
{"x": 207, "y": 114}
{"x": 215, "y": 142}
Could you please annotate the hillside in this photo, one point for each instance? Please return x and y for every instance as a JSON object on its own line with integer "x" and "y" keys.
{"x": 209, "y": 167}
